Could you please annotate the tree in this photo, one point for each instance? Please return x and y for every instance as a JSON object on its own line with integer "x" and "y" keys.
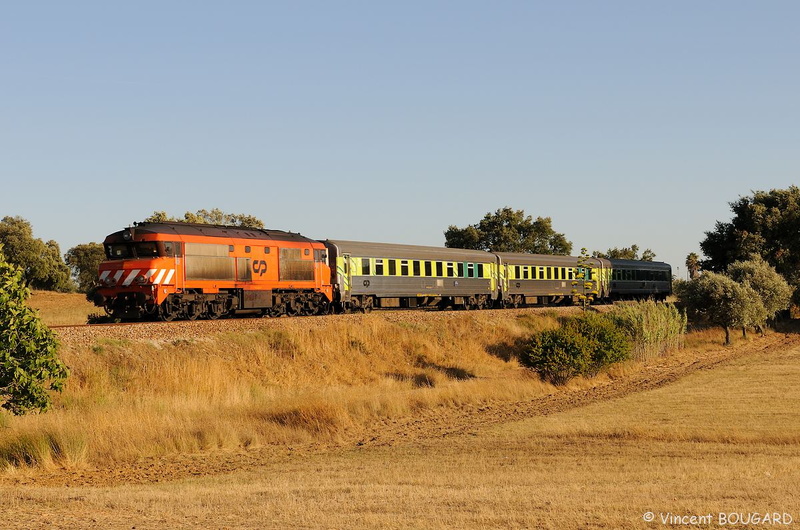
{"x": 721, "y": 301}
{"x": 765, "y": 224}
{"x": 631, "y": 252}
{"x": 84, "y": 261}
{"x": 693, "y": 265}
{"x": 582, "y": 286}
{"x": 508, "y": 230}
{"x": 213, "y": 217}
{"x": 771, "y": 287}
{"x": 41, "y": 263}
{"x": 29, "y": 363}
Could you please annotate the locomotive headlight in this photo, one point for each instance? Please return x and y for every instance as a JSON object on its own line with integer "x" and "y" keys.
{"x": 126, "y": 235}
{"x": 110, "y": 282}
{"x": 140, "y": 280}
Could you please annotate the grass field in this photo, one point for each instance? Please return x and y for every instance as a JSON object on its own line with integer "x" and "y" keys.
{"x": 721, "y": 440}
{"x": 408, "y": 420}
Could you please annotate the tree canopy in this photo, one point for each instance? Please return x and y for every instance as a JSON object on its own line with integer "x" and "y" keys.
{"x": 213, "y": 217}
{"x": 770, "y": 286}
{"x": 631, "y": 252}
{"x": 41, "y": 263}
{"x": 721, "y": 301}
{"x": 29, "y": 363}
{"x": 765, "y": 224}
{"x": 508, "y": 230}
{"x": 84, "y": 261}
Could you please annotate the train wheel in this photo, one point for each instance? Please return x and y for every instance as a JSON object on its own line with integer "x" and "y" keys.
{"x": 168, "y": 312}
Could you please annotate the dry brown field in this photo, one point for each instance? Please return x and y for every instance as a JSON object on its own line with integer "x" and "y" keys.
{"x": 398, "y": 420}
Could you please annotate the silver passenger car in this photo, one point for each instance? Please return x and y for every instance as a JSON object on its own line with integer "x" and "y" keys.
{"x": 387, "y": 275}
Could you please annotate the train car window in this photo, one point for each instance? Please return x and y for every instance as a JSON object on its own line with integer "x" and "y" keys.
{"x": 461, "y": 270}
{"x": 379, "y": 267}
{"x": 392, "y": 267}
{"x": 540, "y": 275}
{"x": 570, "y": 274}
{"x": 428, "y": 268}
{"x": 404, "y": 268}
{"x": 480, "y": 270}
{"x": 146, "y": 249}
{"x": 450, "y": 270}
{"x": 247, "y": 250}
{"x": 439, "y": 268}
{"x": 549, "y": 273}
{"x": 417, "y": 268}
{"x": 526, "y": 273}
{"x": 365, "y": 266}
{"x": 517, "y": 272}
{"x": 470, "y": 270}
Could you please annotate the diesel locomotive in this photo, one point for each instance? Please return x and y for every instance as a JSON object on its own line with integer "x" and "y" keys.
{"x": 173, "y": 271}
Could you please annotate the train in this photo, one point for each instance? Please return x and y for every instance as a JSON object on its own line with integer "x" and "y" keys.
{"x": 168, "y": 271}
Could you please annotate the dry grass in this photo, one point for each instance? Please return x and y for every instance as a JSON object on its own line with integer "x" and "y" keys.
{"x": 62, "y": 309}
{"x": 722, "y": 440}
{"x": 129, "y": 399}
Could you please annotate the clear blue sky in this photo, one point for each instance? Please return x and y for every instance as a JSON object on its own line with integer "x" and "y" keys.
{"x": 625, "y": 121}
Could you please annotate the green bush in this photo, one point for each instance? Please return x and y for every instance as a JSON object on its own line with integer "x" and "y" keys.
{"x": 608, "y": 343}
{"x": 583, "y": 345}
{"x": 557, "y": 354}
{"x": 29, "y": 363}
{"x": 654, "y": 328}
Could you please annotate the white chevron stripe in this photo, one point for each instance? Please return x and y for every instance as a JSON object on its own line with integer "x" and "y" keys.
{"x": 159, "y": 276}
{"x": 169, "y": 276}
{"x": 149, "y": 274}
{"x": 118, "y": 275}
{"x": 104, "y": 275}
{"x": 130, "y": 277}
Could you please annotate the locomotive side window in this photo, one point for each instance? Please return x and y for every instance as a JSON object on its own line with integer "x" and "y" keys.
{"x": 247, "y": 250}
{"x": 305, "y": 252}
{"x": 172, "y": 249}
{"x": 266, "y": 250}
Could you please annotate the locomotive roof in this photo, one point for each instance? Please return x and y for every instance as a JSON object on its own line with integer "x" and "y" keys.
{"x": 197, "y": 229}
{"x": 391, "y": 250}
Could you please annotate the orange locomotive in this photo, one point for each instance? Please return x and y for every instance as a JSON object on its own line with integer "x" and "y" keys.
{"x": 182, "y": 270}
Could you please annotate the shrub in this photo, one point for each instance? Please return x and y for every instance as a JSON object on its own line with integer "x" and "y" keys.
{"x": 558, "y": 354}
{"x": 29, "y": 363}
{"x": 583, "y": 345}
{"x": 654, "y": 328}
{"x": 608, "y": 343}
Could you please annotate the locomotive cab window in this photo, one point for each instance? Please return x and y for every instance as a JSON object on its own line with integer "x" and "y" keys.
{"x": 147, "y": 249}
{"x": 119, "y": 251}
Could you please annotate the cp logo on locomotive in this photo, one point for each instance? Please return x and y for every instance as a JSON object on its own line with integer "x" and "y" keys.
{"x": 260, "y": 267}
